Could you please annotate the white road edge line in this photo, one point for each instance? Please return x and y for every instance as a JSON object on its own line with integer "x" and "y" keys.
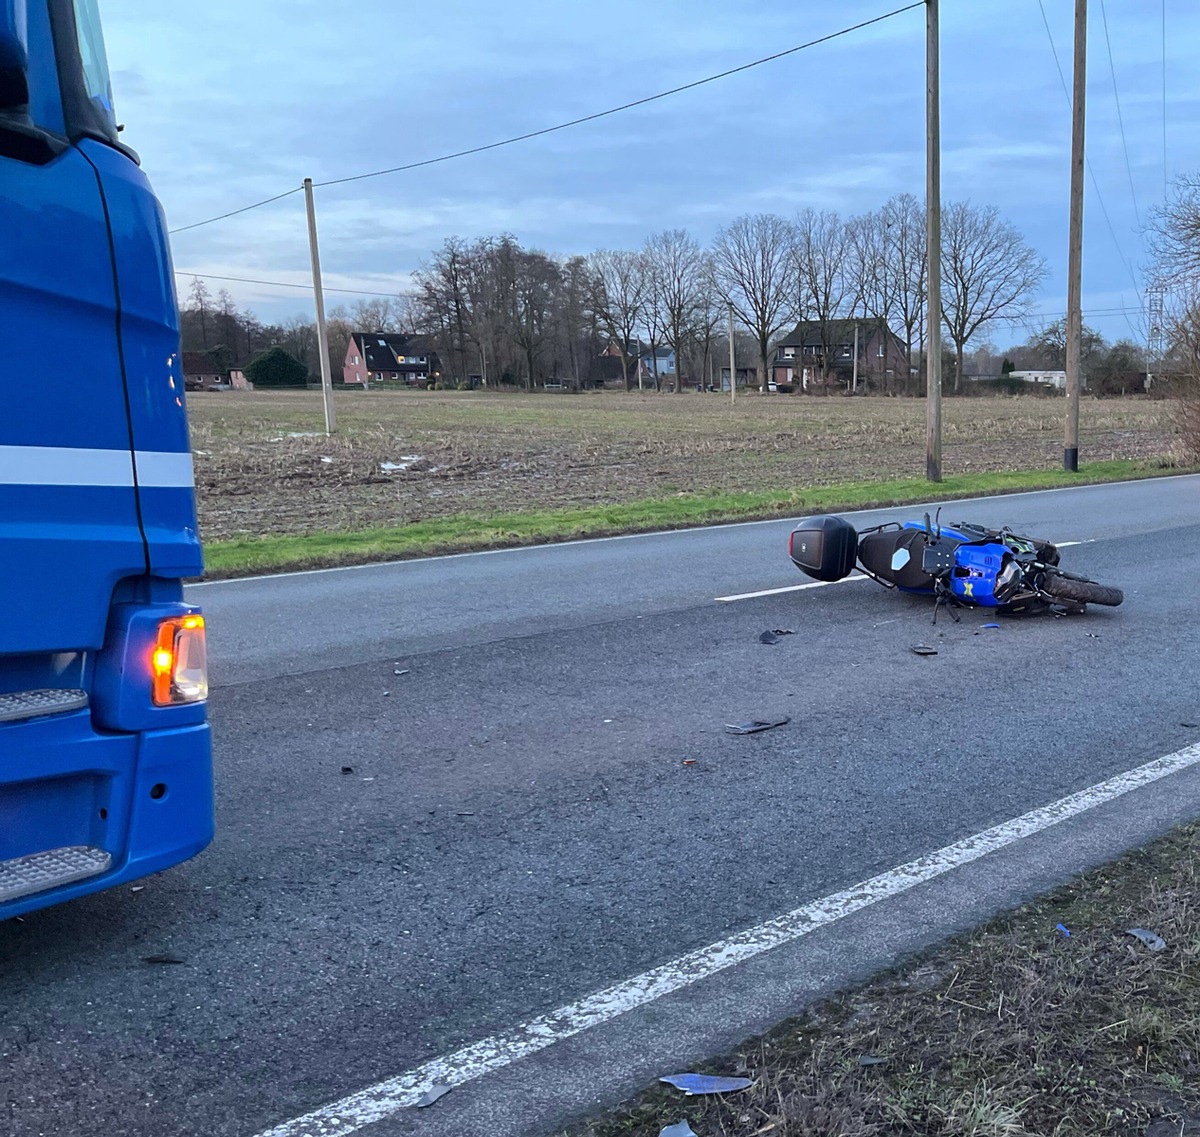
{"x": 386, "y": 1098}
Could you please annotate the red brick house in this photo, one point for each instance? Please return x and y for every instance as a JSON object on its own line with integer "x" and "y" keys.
{"x": 808, "y": 360}
{"x": 372, "y": 357}
{"x": 200, "y": 373}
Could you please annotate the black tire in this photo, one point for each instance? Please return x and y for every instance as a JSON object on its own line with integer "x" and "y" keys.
{"x": 1081, "y": 591}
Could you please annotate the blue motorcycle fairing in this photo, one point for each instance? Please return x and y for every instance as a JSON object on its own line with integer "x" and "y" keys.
{"x": 976, "y": 567}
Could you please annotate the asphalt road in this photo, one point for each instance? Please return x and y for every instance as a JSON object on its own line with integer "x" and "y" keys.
{"x": 519, "y": 828}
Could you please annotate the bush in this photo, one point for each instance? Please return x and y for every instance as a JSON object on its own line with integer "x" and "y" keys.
{"x": 277, "y": 368}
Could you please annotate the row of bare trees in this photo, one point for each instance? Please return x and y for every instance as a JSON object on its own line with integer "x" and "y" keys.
{"x": 516, "y": 315}
{"x": 494, "y": 305}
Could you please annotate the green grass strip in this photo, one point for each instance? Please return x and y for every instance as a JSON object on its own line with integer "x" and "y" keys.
{"x": 464, "y": 532}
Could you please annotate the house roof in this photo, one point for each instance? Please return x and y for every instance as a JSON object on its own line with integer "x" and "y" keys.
{"x": 808, "y": 332}
{"x": 199, "y": 363}
{"x": 381, "y": 351}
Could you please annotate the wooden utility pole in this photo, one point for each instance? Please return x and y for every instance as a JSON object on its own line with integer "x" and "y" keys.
{"x": 732, "y": 361}
{"x": 319, "y": 296}
{"x": 1075, "y": 245}
{"x": 933, "y": 243}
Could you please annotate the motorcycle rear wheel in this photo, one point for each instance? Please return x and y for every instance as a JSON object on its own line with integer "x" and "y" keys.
{"x": 1081, "y": 591}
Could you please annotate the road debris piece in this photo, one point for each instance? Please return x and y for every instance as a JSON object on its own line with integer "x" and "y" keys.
{"x": 870, "y": 1060}
{"x": 1152, "y": 940}
{"x": 923, "y": 649}
{"x": 689, "y": 761}
{"x": 989, "y": 625}
{"x": 695, "y": 1084}
{"x": 137, "y": 888}
{"x": 1064, "y": 929}
{"x": 755, "y": 725}
{"x": 162, "y": 959}
{"x": 347, "y": 769}
{"x": 768, "y": 638}
{"x": 679, "y": 1129}
{"x": 431, "y": 1095}
{"x": 1092, "y": 635}
{"x": 397, "y": 671}
{"x": 784, "y": 631}
{"x": 1190, "y": 725}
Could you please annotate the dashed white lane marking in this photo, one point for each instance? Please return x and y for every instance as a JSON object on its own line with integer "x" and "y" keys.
{"x": 385, "y": 1098}
{"x": 787, "y": 588}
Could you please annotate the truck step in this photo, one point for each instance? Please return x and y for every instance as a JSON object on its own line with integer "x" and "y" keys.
{"x": 20, "y": 705}
{"x": 36, "y": 872}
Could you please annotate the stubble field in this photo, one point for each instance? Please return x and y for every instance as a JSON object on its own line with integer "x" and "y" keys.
{"x": 265, "y": 467}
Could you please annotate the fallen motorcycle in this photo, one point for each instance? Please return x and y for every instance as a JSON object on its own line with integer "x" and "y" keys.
{"x": 959, "y": 565}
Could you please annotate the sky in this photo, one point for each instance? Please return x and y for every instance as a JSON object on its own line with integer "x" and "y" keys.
{"x": 232, "y": 101}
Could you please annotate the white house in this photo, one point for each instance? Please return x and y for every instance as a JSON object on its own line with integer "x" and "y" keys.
{"x": 1056, "y": 379}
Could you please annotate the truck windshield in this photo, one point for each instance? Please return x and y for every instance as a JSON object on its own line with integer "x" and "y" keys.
{"x": 95, "y": 63}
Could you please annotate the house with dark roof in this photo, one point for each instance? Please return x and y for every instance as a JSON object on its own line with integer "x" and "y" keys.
{"x": 816, "y": 357}
{"x": 373, "y": 357}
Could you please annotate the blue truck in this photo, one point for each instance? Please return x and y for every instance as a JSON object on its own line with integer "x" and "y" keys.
{"x": 105, "y": 755}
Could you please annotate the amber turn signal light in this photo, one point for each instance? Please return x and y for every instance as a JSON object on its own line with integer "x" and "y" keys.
{"x": 179, "y": 662}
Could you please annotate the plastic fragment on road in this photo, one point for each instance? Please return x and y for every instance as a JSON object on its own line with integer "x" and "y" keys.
{"x": 784, "y": 631}
{"x": 347, "y": 769}
{"x": 679, "y": 1129}
{"x": 923, "y": 649}
{"x": 1152, "y": 940}
{"x": 689, "y": 761}
{"x": 1190, "y": 725}
{"x": 162, "y": 959}
{"x": 1064, "y": 929}
{"x": 870, "y": 1060}
{"x": 755, "y": 725}
{"x": 397, "y": 671}
{"x": 434, "y": 1093}
{"x": 696, "y": 1084}
{"x": 989, "y": 625}
{"x": 768, "y": 638}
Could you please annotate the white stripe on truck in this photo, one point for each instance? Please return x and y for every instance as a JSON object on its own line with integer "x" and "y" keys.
{"x": 80, "y": 466}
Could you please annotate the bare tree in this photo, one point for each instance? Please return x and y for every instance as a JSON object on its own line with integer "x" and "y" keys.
{"x": 1175, "y": 234}
{"x": 907, "y": 265}
{"x": 826, "y": 287}
{"x": 537, "y": 285}
{"x": 753, "y": 259}
{"x": 619, "y": 296}
{"x": 675, "y": 265}
{"x": 299, "y": 339}
{"x": 229, "y": 324}
{"x": 382, "y": 314}
{"x": 200, "y": 302}
{"x": 442, "y": 298}
{"x": 709, "y": 318}
{"x": 988, "y": 272}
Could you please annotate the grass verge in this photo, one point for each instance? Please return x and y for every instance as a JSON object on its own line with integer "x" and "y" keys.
{"x": 465, "y": 532}
{"x": 1011, "y": 1030}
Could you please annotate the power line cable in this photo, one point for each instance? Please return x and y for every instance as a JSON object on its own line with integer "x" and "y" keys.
{"x": 235, "y": 212}
{"x": 287, "y": 284}
{"x": 626, "y": 106}
{"x": 573, "y": 122}
{"x": 1120, "y": 120}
